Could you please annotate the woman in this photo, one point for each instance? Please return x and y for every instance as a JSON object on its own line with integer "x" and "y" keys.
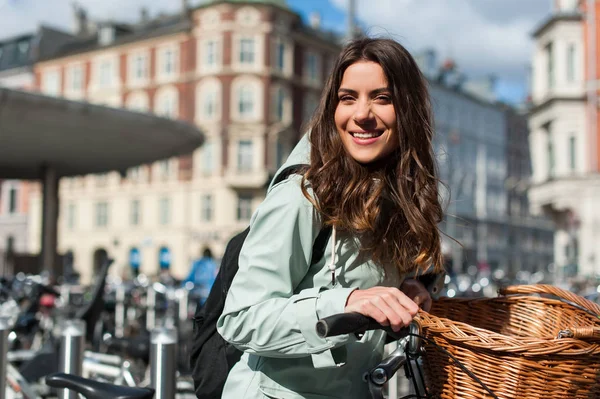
{"x": 372, "y": 177}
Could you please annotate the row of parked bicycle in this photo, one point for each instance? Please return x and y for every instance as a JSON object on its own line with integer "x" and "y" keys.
{"x": 119, "y": 323}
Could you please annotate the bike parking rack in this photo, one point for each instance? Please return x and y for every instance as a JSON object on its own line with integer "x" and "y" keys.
{"x": 4, "y": 330}
{"x": 72, "y": 342}
{"x": 163, "y": 362}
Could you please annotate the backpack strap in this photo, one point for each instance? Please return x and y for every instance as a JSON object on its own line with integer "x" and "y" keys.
{"x": 288, "y": 171}
{"x": 323, "y": 237}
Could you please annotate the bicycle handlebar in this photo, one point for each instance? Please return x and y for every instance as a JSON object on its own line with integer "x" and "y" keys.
{"x": 349, "y": 323}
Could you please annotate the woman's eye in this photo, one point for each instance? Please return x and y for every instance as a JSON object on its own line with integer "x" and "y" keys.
{"x": 385, "y": 99}
{"x": 346, "y": 98}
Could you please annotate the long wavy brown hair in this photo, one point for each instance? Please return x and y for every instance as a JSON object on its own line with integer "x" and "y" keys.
{"x": 393, "y": 206}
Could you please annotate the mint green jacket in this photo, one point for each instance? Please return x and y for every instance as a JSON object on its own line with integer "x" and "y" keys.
{"x": 277, "y": 296}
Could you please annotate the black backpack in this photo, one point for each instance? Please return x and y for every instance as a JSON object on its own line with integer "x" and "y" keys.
{"x": 211, "y": 356}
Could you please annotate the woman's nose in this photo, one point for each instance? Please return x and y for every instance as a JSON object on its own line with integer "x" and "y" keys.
{"x": 363, "y": 112}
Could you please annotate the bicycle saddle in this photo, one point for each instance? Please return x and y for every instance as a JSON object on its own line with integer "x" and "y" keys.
{"x": 91, "y": 389}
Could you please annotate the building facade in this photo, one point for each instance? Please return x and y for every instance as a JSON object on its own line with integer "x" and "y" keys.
{"x": 248, "y": 73}
{"x": 17, "y": 58}
{"x": 484, "y": 163}
{"x": 563, "y": 122}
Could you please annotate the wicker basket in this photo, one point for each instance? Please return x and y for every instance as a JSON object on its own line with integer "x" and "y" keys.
{"x": 511, "y": 344}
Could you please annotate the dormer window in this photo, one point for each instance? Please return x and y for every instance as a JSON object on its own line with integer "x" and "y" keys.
{"x": 106, "y": 35}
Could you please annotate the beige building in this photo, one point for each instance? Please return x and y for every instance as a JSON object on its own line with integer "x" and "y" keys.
{"x": 248, "y": 73}
{"x": 564, "y": 139}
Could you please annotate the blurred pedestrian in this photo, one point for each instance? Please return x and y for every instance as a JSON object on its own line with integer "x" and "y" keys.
{"x": 202, "y": 275}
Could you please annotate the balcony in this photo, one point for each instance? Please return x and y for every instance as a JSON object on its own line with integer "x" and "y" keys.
{"x": 250, "y": 179}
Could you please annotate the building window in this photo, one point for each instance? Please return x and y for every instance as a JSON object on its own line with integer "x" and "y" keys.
{"x": 244, "y": 156}
{"x": 312, "y": 66}
{"x": 279, "y": 104}
{"x": 206, "y": 208}
{"x": 280, "y": 56}
{"x": 167, "y": 103}
{"x": 12, "y": 200}
{"x": 247, "y": 51}
{"x": 550, "y": 64}
{"x": 164, "y": 168}
{"x": 164, "y": 207}
{"x": 71, "y": 209}
{"x": 76, "y": 81}
{"x": 101, "y": 214}
{"x": 169, "y": 62}
{"x": 210, "y": 104}
{"x": 135, "y": 213}
{"x": 140, "y": 67}
{"x": 138, "y": 101}
{"x": 210, "y": 53}
{"x": 207, "y": 158}
{"x": 246, "y": 102}
{"x": 572, "y": 153}
{"x": 244, "y": 207}
{"x": 551, "y": 160}
{"x": 51, "y": 83}
{"x": 105, "y": 74}
{"x": 571, "y": 63}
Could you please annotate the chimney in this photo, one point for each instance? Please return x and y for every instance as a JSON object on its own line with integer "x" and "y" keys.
{"x": 80, "y": 20}
{"x": 184, "y": 6}
{"x": 144, "y": 15}
{"x": 315, "y": 20}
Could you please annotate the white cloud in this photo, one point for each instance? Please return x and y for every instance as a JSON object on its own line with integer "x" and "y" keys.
{"x": 483, "y": 36}
{"x": 23, "y": 16}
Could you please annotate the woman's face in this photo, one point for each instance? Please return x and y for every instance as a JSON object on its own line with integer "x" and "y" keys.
{"x": 365, "y": 117}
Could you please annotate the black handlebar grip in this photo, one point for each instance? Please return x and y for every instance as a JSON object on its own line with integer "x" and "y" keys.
{"x": 347, "y": 323}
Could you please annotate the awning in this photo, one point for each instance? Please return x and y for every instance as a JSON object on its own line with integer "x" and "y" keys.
{"x": 77, "y": 138}
{"x": 47, "y": 138}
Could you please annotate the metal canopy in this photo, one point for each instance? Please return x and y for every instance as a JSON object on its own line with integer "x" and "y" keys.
{"x": 76, "y": 138}
{"x": 47, "y": 138}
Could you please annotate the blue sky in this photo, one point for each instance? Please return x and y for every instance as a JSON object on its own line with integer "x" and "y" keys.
{"x": 482, "y": 36}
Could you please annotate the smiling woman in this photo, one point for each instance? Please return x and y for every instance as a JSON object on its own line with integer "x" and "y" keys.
{"x": 369, "y": 187}
{"x": 365, "y": 117}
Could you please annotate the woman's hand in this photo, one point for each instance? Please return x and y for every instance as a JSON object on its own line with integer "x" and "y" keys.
{"x": 388, "y": 305}
{"x": 416, "y": 291}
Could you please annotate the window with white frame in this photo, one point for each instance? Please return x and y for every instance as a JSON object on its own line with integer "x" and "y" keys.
{"x": 139, "y": 67}
{"x": 206, "y": 208}
{"x": 211, "y": 48}
{"x": 71, "y": 216}
{"x": 573, "y": 152}
{"x": 102, "y": 214}
{"x": 167, "y": 102}
{"x": 164, "y": 207}
{"x": 207, "y": 162}
{"x": 279, "y": 57}
{"x": 164, "y": 168}
{"x": 210, "y": 104}
{"x": 246, "y": 101}
{"x": 168, "y": 65}
{"x": 137, "y": 101}
{"x": 244, "y": 207}
{"x": 12, "y": 200}
{"x": 571, "y": 63}
{"x": 311, "y": 66}
{"x": 279, "y": 104}
{"x": 76, "y": 78}
{"x": 245, "y": 156}
{"x": 135, "y": 212}
{"x": 105, "y": 73}
{"x": 247, "y": 51}
{"x": 51, "y": 82}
